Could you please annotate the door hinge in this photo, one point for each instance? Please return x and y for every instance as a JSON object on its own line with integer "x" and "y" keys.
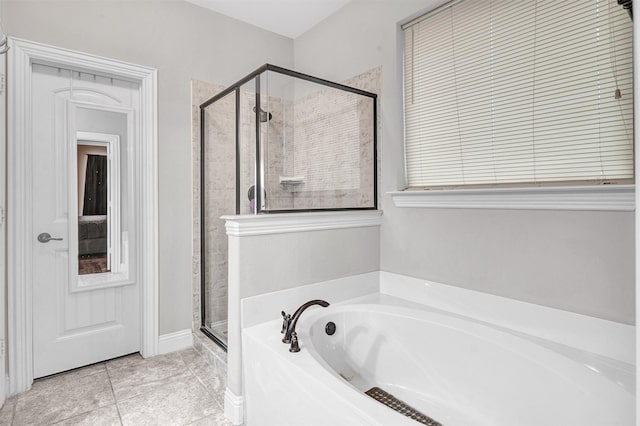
{"x": 3, "y": 83}
{"x": 2, "y": 215}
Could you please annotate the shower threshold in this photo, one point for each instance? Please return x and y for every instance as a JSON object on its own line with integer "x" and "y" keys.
{"x": 217, "y": 332}
{"x": 220, "y": 328}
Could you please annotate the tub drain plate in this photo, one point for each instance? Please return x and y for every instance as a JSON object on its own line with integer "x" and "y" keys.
{"x": 395, "y": 404}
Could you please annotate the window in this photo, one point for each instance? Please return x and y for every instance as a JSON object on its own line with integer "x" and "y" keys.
{"x": 519, "y": 92}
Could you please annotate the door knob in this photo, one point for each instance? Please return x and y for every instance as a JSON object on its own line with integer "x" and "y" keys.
{"x": 45, "y": 237}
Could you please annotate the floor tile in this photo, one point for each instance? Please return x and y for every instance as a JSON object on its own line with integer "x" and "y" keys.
{"x": 124, "y": 361}
{"x": 188, "y": 355}
{"x": 216, "y": 387}
{"x": 61, "y": 397}
{"x": 206, "y": 373}
{"x": 105, "y": 416}
{"x": 142, "y": 375}
{"x": 173, "y": 389}
{"x": 80, "y": 372}
{"x": 6, "y": 413}
{"x": 217, "y": 419}
{"x": 178, "y": 402}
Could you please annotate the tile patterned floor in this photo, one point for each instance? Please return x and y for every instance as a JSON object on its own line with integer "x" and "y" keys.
{"x": 179, "y": 388}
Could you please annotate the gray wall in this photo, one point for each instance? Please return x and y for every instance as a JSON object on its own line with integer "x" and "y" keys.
{"x": 282, "y": 261}
{"x": 184, "y": 42}
{"x": 577, "y": 261}
{"x": 265, "y": 263}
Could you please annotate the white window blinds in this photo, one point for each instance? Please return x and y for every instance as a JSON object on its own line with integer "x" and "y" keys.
{"x": 506, "y": 91}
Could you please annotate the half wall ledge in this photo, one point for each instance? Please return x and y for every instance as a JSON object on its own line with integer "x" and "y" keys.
{"x": 280, "y": 223}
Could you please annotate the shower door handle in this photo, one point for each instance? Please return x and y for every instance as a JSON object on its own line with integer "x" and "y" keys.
{"x": 45, "y": 237}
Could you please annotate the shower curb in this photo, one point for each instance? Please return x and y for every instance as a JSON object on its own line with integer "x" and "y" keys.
{"x": 215, "y": 355}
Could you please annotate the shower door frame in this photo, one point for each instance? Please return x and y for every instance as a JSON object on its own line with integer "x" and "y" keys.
{"x": 203, "y": 307}
{"x": 259, "y": 166}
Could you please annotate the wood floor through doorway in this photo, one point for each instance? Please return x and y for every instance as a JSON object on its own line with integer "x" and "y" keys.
{"x": 94, "y": 264}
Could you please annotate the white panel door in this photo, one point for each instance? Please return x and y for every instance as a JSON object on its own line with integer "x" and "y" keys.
{"x": 73, "y": 325}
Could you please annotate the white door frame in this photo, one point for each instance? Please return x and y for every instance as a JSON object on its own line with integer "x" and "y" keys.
{"x": 22, "y": 54}
{"x": 3, "y": 226}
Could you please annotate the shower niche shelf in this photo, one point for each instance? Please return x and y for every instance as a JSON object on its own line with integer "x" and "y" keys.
{"x": 291, "y": 180}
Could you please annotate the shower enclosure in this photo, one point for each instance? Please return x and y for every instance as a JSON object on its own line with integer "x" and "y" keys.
{"x": 278, "y": 141}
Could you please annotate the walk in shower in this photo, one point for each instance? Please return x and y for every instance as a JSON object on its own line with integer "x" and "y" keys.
{"x": 278, "y": 141}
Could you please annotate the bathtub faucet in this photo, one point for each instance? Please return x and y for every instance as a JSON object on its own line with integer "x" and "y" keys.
{"x": 289, "y": 324}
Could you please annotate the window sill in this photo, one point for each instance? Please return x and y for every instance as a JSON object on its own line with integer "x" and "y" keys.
{"x": 598, "y": 198}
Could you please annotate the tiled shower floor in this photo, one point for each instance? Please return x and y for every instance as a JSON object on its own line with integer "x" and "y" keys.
{"x": 180, "y": 388}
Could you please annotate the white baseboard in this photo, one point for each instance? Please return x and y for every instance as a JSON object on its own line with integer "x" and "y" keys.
{"x": 233, "y": 407}
{"x": 176, "y": 341}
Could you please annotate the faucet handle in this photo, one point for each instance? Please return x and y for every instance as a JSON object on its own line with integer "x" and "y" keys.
{"x": 286, "y": 319}
{"x": 294, "y": 343}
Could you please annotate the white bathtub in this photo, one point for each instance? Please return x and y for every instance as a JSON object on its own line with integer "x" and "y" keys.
{"x": 457, "y": 371}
